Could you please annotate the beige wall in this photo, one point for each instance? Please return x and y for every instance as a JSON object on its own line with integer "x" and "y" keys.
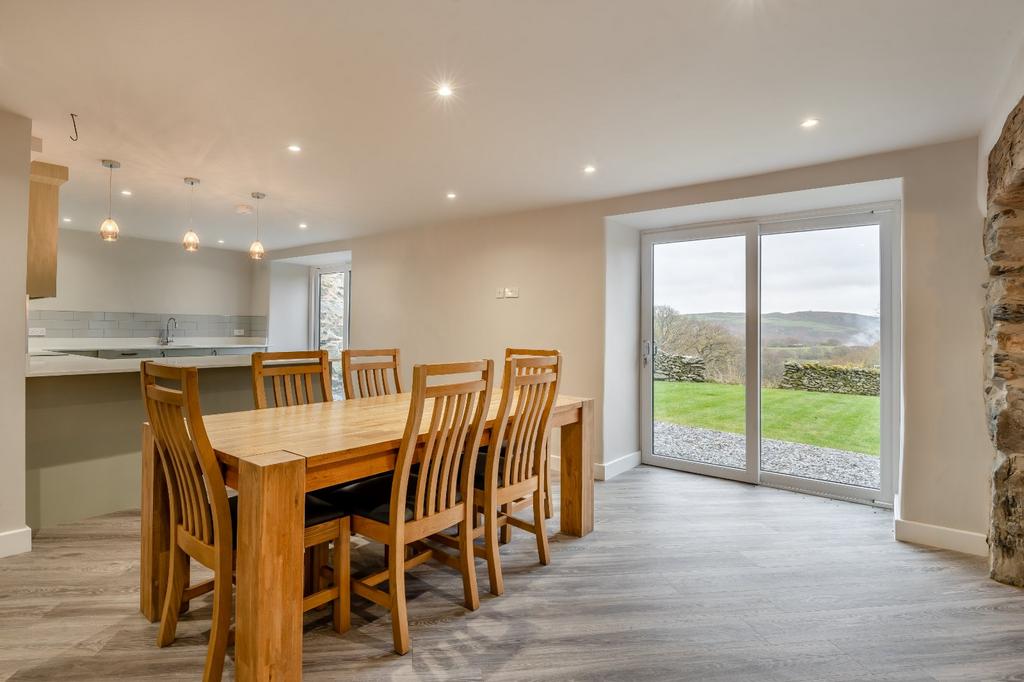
{"x": 15, "y": 144}
{"x": 142, "y": 275}
{"x": 289, "y": 307}
{"x": 430, "y": 290}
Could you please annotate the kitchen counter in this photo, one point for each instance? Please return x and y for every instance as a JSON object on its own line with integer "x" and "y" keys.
{"x": 56, "y": 357}
{"x": 67, "y": 365}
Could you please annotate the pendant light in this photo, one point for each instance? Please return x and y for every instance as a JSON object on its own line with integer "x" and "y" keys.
{"x": 256, "y": 250}
{"x": 108, "y": 228}
{"x": 190, "y": 241}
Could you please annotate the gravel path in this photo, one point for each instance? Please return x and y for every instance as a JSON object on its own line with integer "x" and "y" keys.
{"x": 810, "y": 461}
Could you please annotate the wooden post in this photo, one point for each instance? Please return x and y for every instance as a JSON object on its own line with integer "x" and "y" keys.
{"x": 577, "y": 473}
{"x": 268, "y": 634}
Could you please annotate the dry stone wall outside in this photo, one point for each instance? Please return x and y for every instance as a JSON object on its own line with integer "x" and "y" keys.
{"x": 671, "y": 367}
{"x": 814, "y": 376}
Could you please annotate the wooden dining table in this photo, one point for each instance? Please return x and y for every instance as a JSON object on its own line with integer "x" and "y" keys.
{"x": 272, "y": 457}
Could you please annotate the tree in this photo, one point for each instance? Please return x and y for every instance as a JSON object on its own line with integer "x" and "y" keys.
{"x": 720, "y": 350}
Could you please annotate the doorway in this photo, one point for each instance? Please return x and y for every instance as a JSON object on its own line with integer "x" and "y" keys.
{"x": 771, "y": 354}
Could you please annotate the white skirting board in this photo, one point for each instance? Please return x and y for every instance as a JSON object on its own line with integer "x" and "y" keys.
{"x": 918, "y": 533}
{"x": 606, "y": 470}
{"x": 15, "y": 541}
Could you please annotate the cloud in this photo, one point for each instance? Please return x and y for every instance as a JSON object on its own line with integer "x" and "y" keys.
{"x": 836, "y": 270}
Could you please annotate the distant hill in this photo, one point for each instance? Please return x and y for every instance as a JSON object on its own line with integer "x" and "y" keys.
{"x": 804, "y": 328}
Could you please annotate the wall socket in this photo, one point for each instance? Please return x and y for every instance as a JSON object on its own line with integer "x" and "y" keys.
{"x": 37, "y": 331}
{"x": 508, "y": 292}
{"x": 239, "y": 332}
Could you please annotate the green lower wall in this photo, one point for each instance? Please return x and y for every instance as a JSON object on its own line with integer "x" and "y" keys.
{"x": 83, "y": 439}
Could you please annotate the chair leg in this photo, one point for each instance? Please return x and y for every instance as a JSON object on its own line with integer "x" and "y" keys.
{"x": 549, "y": 505}
{"x": 491, "y": 549}
{"x": 538, "y": 527}
{"x": 505, "y": 534}
{"x": 343, "y": 578}
{"x": 177, "y": 575}
{"x": 467, "y": 563}
{"x": 220, "y": 626}
{"x": 399, "y": 614}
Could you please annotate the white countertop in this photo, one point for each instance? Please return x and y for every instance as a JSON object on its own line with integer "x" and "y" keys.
{"x": 45, "y": 359}
{"x": 66, "y": 365}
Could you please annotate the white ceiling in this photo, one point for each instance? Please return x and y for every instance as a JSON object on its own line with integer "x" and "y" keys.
{"x": 656, "y": 93}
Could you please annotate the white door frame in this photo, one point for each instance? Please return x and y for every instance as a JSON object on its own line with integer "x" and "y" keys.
{"x": 314, "y": 301}
{"x": 887, "y": 216}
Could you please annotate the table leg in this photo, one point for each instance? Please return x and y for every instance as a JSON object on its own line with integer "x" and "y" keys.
{"x": 156, "y": 525}
{"x": 268, "y": 611}
{"x": 577, "y": 473}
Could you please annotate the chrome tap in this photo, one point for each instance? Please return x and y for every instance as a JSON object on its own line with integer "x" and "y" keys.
{"x": 167, "y": 338}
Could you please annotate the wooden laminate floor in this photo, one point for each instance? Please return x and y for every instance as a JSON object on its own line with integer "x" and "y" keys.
{"x": 684, "y": 578}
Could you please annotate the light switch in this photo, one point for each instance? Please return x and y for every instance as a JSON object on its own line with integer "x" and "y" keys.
{"x": 37, "y": 331}
{"x": 511, "y": 292}
{"x": 501, "y": 293}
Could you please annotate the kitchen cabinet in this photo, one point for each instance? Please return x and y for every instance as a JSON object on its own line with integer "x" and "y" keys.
{"x": 121, "y": 354}
{"x": 45, "y": 180}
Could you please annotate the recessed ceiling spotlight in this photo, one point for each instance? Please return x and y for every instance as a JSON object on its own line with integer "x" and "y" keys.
{"x": 126, "y": 192}
{"x": 294, "y": 148}
{"x": 589, "y": 168}
{"x": 451, "y": 195}
{"x": 220, "y": 241}
{"x": 67, "y": 220}
{"x": 809, "y": 123}
{"x": 444, "y": 89}
{"x": 303, "y": 226}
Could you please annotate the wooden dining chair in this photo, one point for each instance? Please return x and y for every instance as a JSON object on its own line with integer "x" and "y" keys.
{"x": 296, "y": 378}
{"x": 510, "y": 477}
{"x": 367, "y": 378}
{"x": 430, "y": 490}
{"x": 549, "y": 505}
{"x": 204, "y": 518}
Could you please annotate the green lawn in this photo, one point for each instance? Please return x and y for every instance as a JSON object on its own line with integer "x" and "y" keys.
{"x": 846, "y": 422}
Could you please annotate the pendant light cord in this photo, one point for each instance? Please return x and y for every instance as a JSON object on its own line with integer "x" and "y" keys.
{"x": 110, "y": 190}
{"x": 257, "y": 220}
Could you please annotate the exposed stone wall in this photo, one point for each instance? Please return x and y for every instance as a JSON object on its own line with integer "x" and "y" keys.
{"x": 814, "y": 376}
{"x": 671, "y": 367}
{"x": 1004, "y": 351}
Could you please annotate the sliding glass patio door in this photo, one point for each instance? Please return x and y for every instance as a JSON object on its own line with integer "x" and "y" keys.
{"x": 770, "y": 352}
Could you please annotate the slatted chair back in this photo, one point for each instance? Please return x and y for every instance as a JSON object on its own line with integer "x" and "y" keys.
{"x": 528, "y": 393}
{"x": 447, "y": 453}
{"x": 365, "y": 372}
{"x": 296, "y": 378}
{"x": 529, "y": 352}
{"x": 198, "y": 496}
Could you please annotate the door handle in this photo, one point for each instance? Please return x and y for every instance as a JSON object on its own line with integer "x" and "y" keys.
{"x": 645, "y": 352}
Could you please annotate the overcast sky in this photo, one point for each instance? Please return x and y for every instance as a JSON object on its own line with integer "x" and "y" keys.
{"x": 833, "y": 270}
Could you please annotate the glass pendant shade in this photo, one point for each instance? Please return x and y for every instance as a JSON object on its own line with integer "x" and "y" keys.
{"x": 109, "y": 230}
{"x": 190, "y": 241}
{"x": 256, "y": 250}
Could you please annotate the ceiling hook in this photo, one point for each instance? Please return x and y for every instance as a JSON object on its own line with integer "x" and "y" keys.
{"x": 75, "y": 124}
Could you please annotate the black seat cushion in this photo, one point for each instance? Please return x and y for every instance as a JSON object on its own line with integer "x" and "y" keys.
{"x": 371, "y": 498}
{"x": 317, "y": 511}
{"x": 481, "y": 468}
